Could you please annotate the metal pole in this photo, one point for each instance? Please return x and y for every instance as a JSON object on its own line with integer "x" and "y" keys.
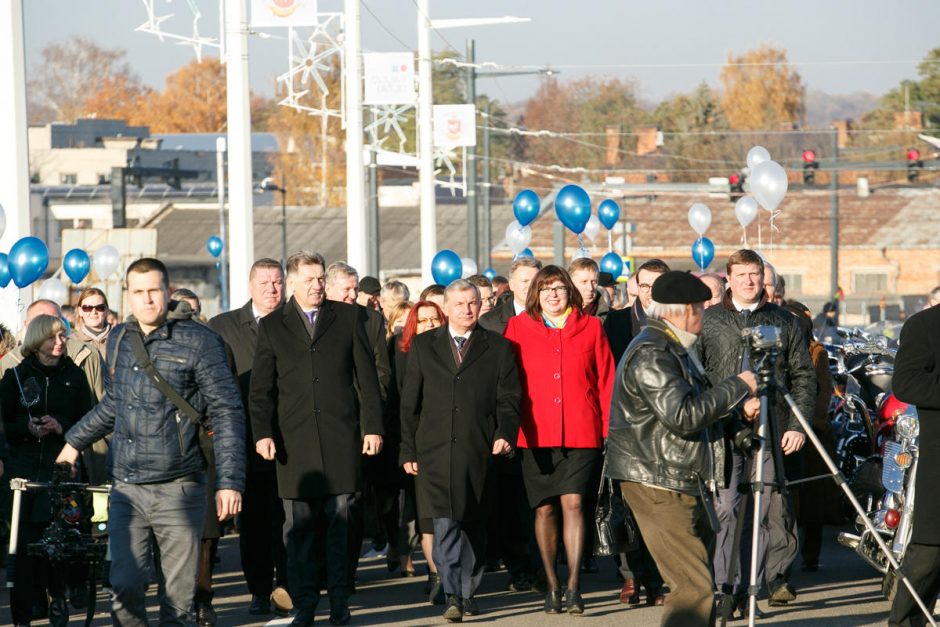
{"x": 487, "y": 257}
{"x": 14, "y": 157}
{"x": 283, "y": 191}
{"x": 223, "y": 262}
{"x": 834, "y": 218}
{"x": 473, "y": 248}
{"x": 241, "y": 211}
{"x": 426, "y": 144}
{"x": 373, "y": 216}
{"x": 356, "y": 249}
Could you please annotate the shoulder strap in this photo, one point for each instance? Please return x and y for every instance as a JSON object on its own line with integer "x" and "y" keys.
{"x": 143, "y": 359}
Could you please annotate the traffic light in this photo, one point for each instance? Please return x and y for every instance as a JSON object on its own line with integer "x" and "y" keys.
{"x": 810, "y": 165}
{"x": 914, "y": 165}
{"x": 735, "y": 186}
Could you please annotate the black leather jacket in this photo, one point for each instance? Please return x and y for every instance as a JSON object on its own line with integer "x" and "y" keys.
{"x": 665, "y": 420}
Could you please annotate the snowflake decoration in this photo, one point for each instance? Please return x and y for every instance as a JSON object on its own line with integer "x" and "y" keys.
{"x": 154, "y": 26}
{"x": 442, "y": 160}
{"x": 308, "y": 60}
{"x": 389, "y": 118}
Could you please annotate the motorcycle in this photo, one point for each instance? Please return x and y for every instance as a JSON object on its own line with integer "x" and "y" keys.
{"x": 893, "y": 513}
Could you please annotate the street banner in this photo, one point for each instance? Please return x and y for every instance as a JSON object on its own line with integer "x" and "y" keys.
{"x": 389, "y": 78}
{"x": 455, "y": 125}
{"x": 275, "y": 13}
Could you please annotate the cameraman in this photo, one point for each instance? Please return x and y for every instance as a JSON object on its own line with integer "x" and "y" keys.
{"x": 666, "y": 442}
{"x": 745, "y": 304}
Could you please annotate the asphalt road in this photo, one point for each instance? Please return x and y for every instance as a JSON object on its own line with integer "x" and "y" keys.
{"x": 843, "y": 592}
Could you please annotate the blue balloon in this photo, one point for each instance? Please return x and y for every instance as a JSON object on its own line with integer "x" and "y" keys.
{"x": 4, "y": 270}
{"x": 214, "y": 244}
{"x": 526, "y": 206}
{"x": 526, "y": 252}
{"x": 489, "y": 273}
{"x": 573, "y": 206}
{"x": 28, "y": 260}
{"x": 703, "y": 251}
{"x": 608, "y": 212}
{"x": 446, "y": 267}
{"x": 77, "y": 264}
{"x": 612, "y": 262}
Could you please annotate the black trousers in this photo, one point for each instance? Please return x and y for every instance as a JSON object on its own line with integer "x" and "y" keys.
{"x": 509, "y": 526}
{"x": 261, "y": 534}
{"x": 318, "y": 534}
{"x": 922, "y": 567}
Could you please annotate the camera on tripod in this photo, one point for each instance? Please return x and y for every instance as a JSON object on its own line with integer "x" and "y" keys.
{"x": 761, "y": 339}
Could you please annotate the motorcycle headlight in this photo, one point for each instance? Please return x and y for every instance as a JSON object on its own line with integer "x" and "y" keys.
{"x": 907, "y": 426}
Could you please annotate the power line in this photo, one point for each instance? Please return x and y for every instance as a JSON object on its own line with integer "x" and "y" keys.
{"x": 385, "y": 28}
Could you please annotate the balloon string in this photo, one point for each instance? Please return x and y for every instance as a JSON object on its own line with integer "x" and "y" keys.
{"x": 744, "y": 237}
{"x": 760, "y": 243}
{"x": 610, "y": 241}
{"x": 582, "y": 250}
{"x": 773, "y": 227}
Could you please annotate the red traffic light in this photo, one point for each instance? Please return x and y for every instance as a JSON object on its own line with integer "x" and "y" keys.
{"x": 734, "y": 179}
{"x": 913, "y": 154}
{"x": 809, "y": 156}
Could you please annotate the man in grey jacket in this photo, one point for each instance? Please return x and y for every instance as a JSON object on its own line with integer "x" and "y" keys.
{"x": 157, "y": 465}
{"x": 665, "y": 442}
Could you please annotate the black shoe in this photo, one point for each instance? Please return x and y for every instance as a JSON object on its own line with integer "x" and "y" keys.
{"x": 553, "y": 602}
{"x": 519, "y": 584}
{"x": 205, "y": 615}
{"x": 741, "y": 606}
{"x": 471, "y": 607}
{"x": 589, "y": 565}
{"x": 339, "y": 611}
{"x": 810, "y": 567}
{"x": 79, "y": 598}
{"x": 781, "y": 592}
{"x": 39, "y": 611}
{"x": 436, "y": 589}
{"x": 303, "y": 618}
{"x": 574, "y": 604}
{"x": 453, "y": 613}
{"x": 259, "y": 605}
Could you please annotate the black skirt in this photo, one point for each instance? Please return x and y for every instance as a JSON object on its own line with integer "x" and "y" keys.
{"x": 551, "y": 472}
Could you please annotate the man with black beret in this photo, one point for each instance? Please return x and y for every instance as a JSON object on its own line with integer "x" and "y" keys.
{"x": 369, "y": 291}
{"x": 666, "y": 442}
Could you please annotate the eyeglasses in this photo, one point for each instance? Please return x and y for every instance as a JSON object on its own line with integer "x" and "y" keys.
{"x": 644, "y": 287}
{"x": 429, "y": 320}
{"x": 99, "y": 308}
{"x": 559, "y": 289}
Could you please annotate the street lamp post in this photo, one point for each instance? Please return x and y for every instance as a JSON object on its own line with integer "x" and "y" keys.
{"x": 268, "y": 185}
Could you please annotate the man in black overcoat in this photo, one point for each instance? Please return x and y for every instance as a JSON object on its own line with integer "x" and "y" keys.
{"x": 521, "y": 273}
{"x": 260, "y": 529}
{"x": 315, "y": 406}
{"x": 917, "y": 381}
{"x": 459, "y": 409}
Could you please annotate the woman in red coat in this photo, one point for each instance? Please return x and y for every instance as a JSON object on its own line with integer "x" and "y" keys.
{"x": 567, "y": 374}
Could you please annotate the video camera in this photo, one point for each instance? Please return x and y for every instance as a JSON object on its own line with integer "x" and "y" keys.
{"x": 761, "y": 339}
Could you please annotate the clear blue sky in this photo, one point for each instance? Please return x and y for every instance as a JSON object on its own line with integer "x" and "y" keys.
{"x": 562, "y": 32}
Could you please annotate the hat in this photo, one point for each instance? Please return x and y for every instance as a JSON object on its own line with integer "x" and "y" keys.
{"x": 680, "y": 288}
{"x": 606, "y": 279}
{"x": 370, "y": 285}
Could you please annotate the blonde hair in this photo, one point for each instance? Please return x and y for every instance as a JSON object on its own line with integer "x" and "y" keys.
{"x": 40, "y": 329}
{"x": 399, "y": 313}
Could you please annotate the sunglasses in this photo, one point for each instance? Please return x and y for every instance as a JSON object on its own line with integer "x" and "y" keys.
{"x": 99, "y": 308}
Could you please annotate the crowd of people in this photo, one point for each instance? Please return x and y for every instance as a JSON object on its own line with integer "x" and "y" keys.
{"x": 475, "y": 423}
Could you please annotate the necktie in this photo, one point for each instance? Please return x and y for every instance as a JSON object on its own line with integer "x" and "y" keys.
{"x": 311, "y": 316}
{"x": 460, "y": 342}
{"x": 745, "y": 362}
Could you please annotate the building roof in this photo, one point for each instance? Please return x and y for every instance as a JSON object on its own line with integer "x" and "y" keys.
{"x": 205, "y": 142}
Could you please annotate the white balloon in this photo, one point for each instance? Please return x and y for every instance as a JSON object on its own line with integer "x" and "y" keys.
{"x": 593, "y": 227}
{"x": 580, "y": 254}
{"x": 469, "y": 267}
{"x": 106, "y": 261}
{"x": 54, "y": 290}
{"x": 756, "y": 156}
{"x": 700, "y": 218}
{"x": 3, "y": 220}
{"x": 769, "y": 184}
{"x": 518, "y": 236}
{"x": 745, "y": 210}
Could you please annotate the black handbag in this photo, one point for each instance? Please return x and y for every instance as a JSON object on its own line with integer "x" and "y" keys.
{"x": 615, "y": 529}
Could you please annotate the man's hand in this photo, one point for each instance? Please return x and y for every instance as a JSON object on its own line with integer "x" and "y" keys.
{"x": 227, "y": 503}
{"x": 501, "y": 447}
{"x": 68, "y": 455}
{"x": 751, "y": 409}
{"x": 265, "y": 448}
{"x": 371, "y": 444}
{"x": 410, "y": 467}
{"x": 750, "y": 379}
{"x": 792, "y": 441}
{"x": 48, "y": 424}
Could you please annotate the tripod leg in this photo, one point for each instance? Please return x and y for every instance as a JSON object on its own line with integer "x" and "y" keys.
{"x": 727, "y": 596}
{"x": 840, "y": 481}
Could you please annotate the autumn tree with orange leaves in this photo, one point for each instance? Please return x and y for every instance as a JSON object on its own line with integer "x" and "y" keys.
{"x": 762, "y": 90}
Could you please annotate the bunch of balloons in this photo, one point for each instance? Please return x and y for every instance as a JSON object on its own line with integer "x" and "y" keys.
{"x": 768, "y": 179}
{"x": 703, "y": 249}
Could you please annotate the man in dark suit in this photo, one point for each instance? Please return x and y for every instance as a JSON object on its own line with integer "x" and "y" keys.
{"x": 622, "y": 325}
{"x": 260, "y": 539}
{"x": 459, "y": 408}
{"x": 521, "y": 273}
{"x": 315, "y": 405}
{"x": 917, "y": 381}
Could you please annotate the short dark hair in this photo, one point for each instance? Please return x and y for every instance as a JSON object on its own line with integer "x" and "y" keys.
{"x": 583, "y": 263}
{"x": 149, "y": 264}
{"x": 499, "y": 280}
{"x": 525, "y": 262}
{"x": 546, "y": 275}
{"x": 304, "y": 258}
{"x": 744, "y": 257}
{"x": 431, "y": 290}
{"x": 480, "y": 281}
{"x": 265, "y": 263}
{"x": 654, "y": 265}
